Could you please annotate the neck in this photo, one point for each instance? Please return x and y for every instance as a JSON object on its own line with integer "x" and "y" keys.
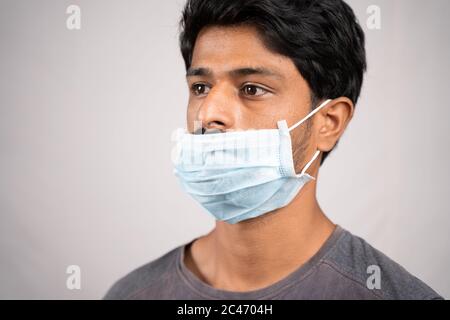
{"x": 259, "y": 252}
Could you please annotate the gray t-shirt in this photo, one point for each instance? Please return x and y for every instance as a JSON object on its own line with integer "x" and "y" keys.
{"x": 346, "y": 267}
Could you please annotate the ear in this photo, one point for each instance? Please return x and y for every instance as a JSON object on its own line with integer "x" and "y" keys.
{"x": 332, "y": 122}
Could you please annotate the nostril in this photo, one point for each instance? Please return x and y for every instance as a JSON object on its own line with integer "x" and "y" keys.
{"x": 200, "y": 131}
{"x": 212, "y": 127}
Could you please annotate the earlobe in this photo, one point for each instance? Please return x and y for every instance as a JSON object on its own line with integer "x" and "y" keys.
{"x": 335, "y": 119}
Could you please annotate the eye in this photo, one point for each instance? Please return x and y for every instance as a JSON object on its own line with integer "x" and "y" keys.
{"x": 199, "y": 89}
{"x": 253, "y": 90}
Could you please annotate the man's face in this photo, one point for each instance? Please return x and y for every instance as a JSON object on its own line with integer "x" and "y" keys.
{"x": 236, "y": 83}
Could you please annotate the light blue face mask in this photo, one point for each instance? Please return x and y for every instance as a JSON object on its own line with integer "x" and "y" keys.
{"x": 241, "y": 175}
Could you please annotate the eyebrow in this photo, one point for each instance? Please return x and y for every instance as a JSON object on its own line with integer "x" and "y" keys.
{"x": 234, "y": 73}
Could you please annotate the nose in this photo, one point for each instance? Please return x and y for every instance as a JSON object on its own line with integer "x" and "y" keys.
{"x": 218, "y": 110}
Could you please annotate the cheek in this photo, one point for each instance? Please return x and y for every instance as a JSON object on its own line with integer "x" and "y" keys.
{"x": 285, "y": 109}
{"x": 296, "y": 107}
{"x": 191, "y": 116}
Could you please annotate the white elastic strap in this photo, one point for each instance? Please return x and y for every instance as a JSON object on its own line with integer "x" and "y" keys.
{"x": 310, "y": 163}
{"x": 309, "y": 115}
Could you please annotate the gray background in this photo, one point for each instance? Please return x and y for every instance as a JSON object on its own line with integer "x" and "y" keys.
{"x": 86, "y": 118}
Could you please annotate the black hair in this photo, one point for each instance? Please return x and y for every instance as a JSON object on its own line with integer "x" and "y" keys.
{"x": 322, "y": 37}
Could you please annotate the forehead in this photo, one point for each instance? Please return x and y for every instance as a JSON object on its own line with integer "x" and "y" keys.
{"x": 227, "y": 48}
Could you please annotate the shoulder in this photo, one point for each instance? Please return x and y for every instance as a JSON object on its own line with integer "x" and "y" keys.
{"x": 357, "y": 260}
{"x": 149, "y": 275}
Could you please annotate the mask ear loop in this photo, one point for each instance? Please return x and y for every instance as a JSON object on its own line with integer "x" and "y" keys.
{"x": 314, "y": 158}
{"x": 316, "y": 155}
{"x": 309, "y": 115}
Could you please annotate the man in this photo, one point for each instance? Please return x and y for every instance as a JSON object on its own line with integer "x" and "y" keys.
{"x": 250, "y": 65}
